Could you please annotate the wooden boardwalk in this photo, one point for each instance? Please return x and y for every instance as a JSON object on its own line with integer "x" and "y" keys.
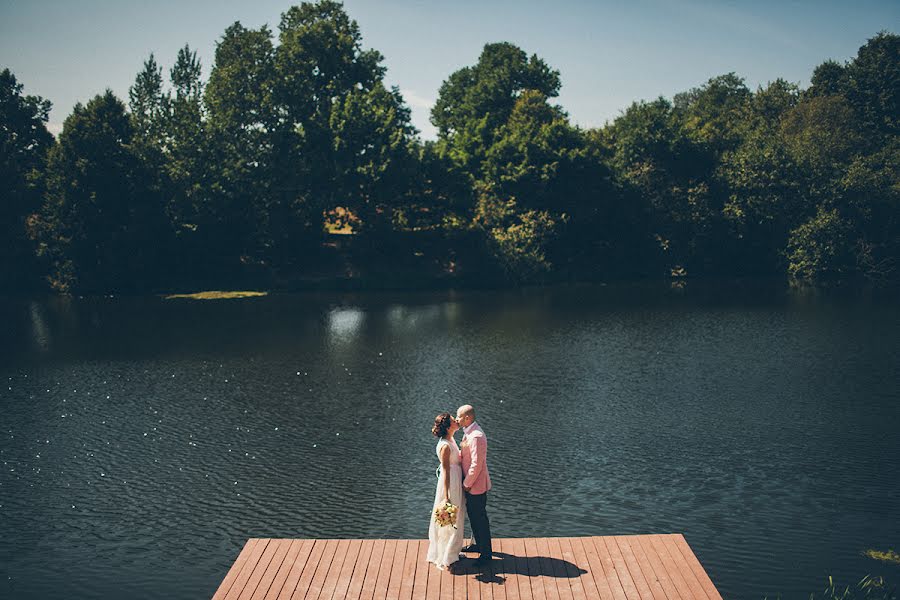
{"x": 629, "y": 567}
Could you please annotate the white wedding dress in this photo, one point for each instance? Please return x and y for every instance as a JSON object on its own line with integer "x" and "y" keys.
{"x": 446, "y": 542}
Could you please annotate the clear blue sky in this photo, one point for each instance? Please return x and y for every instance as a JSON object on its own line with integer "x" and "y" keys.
{"x": 609, "y": 53}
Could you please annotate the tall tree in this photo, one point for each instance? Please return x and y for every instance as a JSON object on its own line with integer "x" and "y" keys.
{"x": 373, "y": 155}
{"x": 99, "y": 225}
{"x": 24, "y": 144}
{"x": 325, "y": 81}
{"x": 189, "y": 201}
{"x": 238, "y": 99}
{"x": 474, "y": 102}
{"x": 873, "y": 83}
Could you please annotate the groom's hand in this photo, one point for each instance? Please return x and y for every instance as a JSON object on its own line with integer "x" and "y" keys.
{"x": 468, "y": 489}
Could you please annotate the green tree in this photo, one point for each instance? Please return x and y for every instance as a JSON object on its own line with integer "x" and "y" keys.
{"x": 148, "y": 106}
{"x": 323, "y": 78}
{"x": 234, "y": 215}
{"x": 99, "y": 226}
{"x": 872, "y": 84}
{"x": 869, "y": 194}
{"x": 474, "y": 102}
{"x": 822, "y": 249}
{"x": 373, "y": 154}
{"x": 715, "y": 114}
{"x": 671, "y": 171}
{"x": 828, "y": 79}
{"x": 24, "y": 144}
{"x": 189, "y": 203}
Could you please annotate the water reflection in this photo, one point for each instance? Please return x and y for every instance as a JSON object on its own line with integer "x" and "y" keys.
{"x": 39, "y": 330}
{"x": 344, "y": 324}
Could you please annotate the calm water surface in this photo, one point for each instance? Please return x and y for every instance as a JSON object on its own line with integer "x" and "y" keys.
{"x": 144, "y": 440}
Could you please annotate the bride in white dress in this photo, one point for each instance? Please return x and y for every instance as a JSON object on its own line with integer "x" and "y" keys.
{"x": 446, "y": 542}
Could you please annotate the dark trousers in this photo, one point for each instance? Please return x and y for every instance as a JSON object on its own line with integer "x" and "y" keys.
{"x": 476, "y": 508}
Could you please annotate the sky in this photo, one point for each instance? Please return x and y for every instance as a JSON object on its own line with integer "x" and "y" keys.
{"x": 609, "y": 54}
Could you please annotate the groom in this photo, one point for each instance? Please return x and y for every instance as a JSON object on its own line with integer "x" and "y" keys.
{"x": 476, "y": 483}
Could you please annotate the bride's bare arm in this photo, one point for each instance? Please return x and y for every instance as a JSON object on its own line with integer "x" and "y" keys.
{"x": 445, "y": 469}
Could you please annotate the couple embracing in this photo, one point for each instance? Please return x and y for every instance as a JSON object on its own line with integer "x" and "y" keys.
{"x": 464, "y": 482}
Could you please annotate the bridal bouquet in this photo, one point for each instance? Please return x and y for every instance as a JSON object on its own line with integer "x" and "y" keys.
{"x": 445, "y": 514}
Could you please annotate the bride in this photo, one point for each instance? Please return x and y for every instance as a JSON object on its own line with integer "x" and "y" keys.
{"x": 446, "y": 542}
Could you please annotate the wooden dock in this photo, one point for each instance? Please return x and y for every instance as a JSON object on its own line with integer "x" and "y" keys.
{"x": 629, "y": 567}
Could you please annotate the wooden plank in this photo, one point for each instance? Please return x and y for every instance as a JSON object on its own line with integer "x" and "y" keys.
{"x": 699, "y": 571}
{"x": 507, "y": 568}
{"x": 498, "y": 585}
{"x": 433, "y": 585}
{"x": 318, "y": 579}
{"x": 642, "y": 543}
{"x": 483, "y": 577}
{"x": 393, "y": 589}
{"x": 572, "y": 570}
{"x": 410, "y": 566}
{"x": 297, "y": 555}
{"x": 654, "y": 542}
{"x": 241, "y": 580}
{"x": 256, "y": 576}
{"x": 420, "y": 586}
{"x": 360, "y": 567}
{"x": 693, "y": 560}
{"x": 346, "y": 574}
{"x": 587, "y": 578}
{"x": 637, "y": 562}
{"x": 345, "y": 553}
{"x": 523, "y": 579}
{"x": 301, "y": 575}
{"x": 384, "y": 570}
{"x": 538, "y": 591}
{"x": 329, "y": 581}
{"x": 685, "y": 567}
{"x": 268, "y": 576}
{"x": 460, "y": 585}
{"x": 558, "y": 569}
{"x": 368, "y": 587}
{"x": 235, "y": 569}
{"x": 601, "y": 563}
{"x": 446, "y": 584}
{"x": 618, "y": 563}
{"x": 628, "y": 562}
{"x": 595, "y": 569}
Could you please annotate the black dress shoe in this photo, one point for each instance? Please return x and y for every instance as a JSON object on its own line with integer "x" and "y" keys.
{"x": 470, "y": 548}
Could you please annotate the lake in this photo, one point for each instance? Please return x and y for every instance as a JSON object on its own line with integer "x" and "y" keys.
{"x": 143, "y": 440}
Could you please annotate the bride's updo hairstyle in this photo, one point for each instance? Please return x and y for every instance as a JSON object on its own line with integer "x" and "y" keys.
{"x": 441, "y": 425}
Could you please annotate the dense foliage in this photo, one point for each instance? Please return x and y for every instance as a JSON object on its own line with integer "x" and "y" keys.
{"x": 295, "y": 134}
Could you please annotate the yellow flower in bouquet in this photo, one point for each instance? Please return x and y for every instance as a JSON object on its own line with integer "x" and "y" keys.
{"x": 446, "y": 514}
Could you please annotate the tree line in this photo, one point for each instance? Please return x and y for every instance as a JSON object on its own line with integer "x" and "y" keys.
{"x": 295, "y": 133}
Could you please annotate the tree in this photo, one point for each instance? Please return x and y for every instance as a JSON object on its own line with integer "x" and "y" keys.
{"x": 148, "y": 106}
{"x": 873, "y": 84}
{"x": 869, "y": 194}
{"x": 823, "y": 134}
{"x": 474, "y": 102}
{"x": 671, "y": 171}
{"x": 24, "y": 144}
{"x": 373, "y": 154}
{"x": 341, "y": 138}
{"x": 822, "y": 249}
{"x": 234, "y": 215}
{"x": 100, "y": 226}
{"x": 828, "y": 79}
{"x": 189, "y": 203}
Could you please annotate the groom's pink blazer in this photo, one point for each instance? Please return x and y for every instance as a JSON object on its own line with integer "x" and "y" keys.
{"x": 474, "y": 460}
